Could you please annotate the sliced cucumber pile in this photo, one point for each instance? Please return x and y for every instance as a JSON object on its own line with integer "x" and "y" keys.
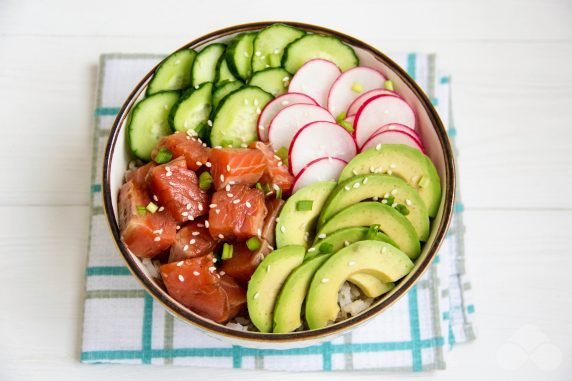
{"x": 192, "y": 111}
{"x": 174, "y": 73}
{"x": 149, "y": 122}
{"x": 236, "y": 116}
{"x": 223, "y": 89}
{"x": 270, "y": 43}
{"x": 239, "y": 55}
{"x": 274, "y": 80}
{"x": 318, "y": 46}
{"x": 206, "y": 64}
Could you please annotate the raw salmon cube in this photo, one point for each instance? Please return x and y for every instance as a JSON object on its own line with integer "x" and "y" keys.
{"x": 276, "y": 172}
{"x": 181, "y": 144}
{"x": 236, "y": 166}
{"x": 192, "y": 241}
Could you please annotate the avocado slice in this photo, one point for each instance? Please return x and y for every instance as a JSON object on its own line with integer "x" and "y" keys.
{"x": 295, "y": 226}
{"x": 288, "y": 308}
{"x": 390, "y": 221}
{"x": 372, "y": 257}
{"x": 371, "y": 185}
{"x": 370, "y": 285}
{"x": 404, "y": 162}
{"x": 267, "y": 281}
{"x": 344, "y": 237}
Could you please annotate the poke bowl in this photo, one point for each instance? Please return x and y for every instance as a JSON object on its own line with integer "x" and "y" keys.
{"x": 277, "y": 184}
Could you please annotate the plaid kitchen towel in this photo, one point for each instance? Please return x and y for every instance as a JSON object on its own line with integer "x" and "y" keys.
{"x": 123, "y": 324}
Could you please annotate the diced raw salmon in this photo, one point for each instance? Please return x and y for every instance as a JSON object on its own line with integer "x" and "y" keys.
{"x": 195, "y": 284}
{"x": 276, "y": 172}
{"x": 181, "y": 144}
{"x": 242, "y": 264}
{"x": 238, "y": 213}
{"x": 236, "y": 166}
{"x": 274, "y": 206}
{"x": 145, "y": 234}
{"x": 192, "y": 241}
{"x": 176, "y": 188}
{"x": 139, "y": 175}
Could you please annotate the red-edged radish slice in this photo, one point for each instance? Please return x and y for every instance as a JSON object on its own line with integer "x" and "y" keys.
{"x": 291, "y": 119}
{"x": 391, "y": 137}
{"x": 315, "y": 79}
{"x": 378, "y": 111}
{"x": 321, "y": 169}
{"x": 359, "y": 101}
{"x": 275, "y": 106}
{"x": 320, "y": 139}
{"x": 399, "y": 127}
{"x": 350, "y": 85}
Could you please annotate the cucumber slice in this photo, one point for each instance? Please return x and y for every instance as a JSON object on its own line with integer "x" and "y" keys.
{"x": 192, "y": 111}
{"x": 223, "y": 73}
{"x": 318, "y": 46}
{"x": 236, "y": 116}
{"x": 206, "y": 63}
{"x": 149, "y": 121}
{"x": 274, "y": 80}
{"x": 270, "y": 43}
{"x": 239, "y": 55}
{"x": 174, "y": 73}
{"x": 223, "y": 90}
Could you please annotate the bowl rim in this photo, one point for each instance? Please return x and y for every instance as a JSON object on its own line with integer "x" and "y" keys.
{"x": 303, "y": 336}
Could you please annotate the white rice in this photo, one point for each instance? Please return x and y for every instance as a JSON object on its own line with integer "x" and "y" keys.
{"x": 152, "y": 267}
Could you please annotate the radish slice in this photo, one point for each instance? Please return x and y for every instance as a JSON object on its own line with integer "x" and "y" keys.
{"x": 399, "y": 127}
{"x": 392, "y": 137}
{"x": 291, "y": 119}
{"x": 320, "y": 139}
{"x": 315, "y": 79}
{"x": 321, "y": 169}
{"x": 378, "y": 111}
{"x": 359, "y": 101}
{"x": 350, "y": 85}
{"x": 275, "y": 106}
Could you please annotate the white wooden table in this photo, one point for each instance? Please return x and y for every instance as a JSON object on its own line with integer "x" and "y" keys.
{"x": 512, "y": 70}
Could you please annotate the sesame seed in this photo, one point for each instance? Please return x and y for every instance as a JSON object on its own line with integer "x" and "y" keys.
{"x": 210, "y": 123}
{"x": 185, "y": 214}
{"x": 198, "y": 163}
{"x": 256, "y": 295}
{"x": 245, "y": 54}
{"x": 215, "y": 260}
{"x": 393, "y": 166}
{"x": 276, "y": 51}
{"x": 157, "y": 239}
{"x": 180, "y": 263}
{"x": 408, "y": 202}
{"x": 277, "y": 157}
{"x": 155, "y": 198}
{"x": 389, "y": 172}
{"x": 212, "y": 269}
{"x": 386, "y": 195}
{"x": 212, "y": 206}
{"x": 193, "y": 241}
{"x": 384, "y": 201}
{"x": 276, "y": 187}
{"x": 268, "y": 268}
{"x": 217, "y": 211}
{"x": 159, "y": 231}
{"x": 232, "y": 182}
{"x": 384, "y": 250}
{"x": 262, "y": 57}
{"x": 414, "y": 179}
{"x": 217, "y": 147}
{"x": 178, "y": 227}
{"x": 196, "y": 87}
{"x": 346, "y": 243}
{"x": 222, "y": 273}
{"x": 257, "y": 53}
{"x": 248, "y": 205}
{"x": 322, "y": 236}
{"x": 228, "y": 167}
{"x": 394, "y": 192}
{"x": 347, "y": 187}
{"x": 161, "y": 208}
{"x": 191, "y": 218}
{"x": 283, "y": 229}
{"x": 169, "y": 174}
{"x": 201, "y": 225}
{"x": 227, "y": 187}
{"x": 221, "y": 236}
{"x": 235, "y": 201}
{"x": 196, "y": 273}
{"x": 208, "y": 165}
{"x": 261, "y": 127}
{"x": 200, "y": 206}
{"x": 375, "y": 198}
{"x": 351, "y": 263}
{"x": 259, "y": 232}
{"x": 229, "y": 195}
{"x": 285, "y": 103}
{"x": 285, "y": 79}
{"x": 354, "y": 172}
{"x": 378, "y": 147}
{"x": 189, "y": 206}
{"x": 394, "y": 205}
{"x": 256, "y": 101}
{"x": 325, "y": 280}
{"x": 195, "y": 234}
{"x": 246, "y": 102}
{"x": 207, "y": 224}
{"x": 258, "y": 110}
{"x": 356, "y": 185}
{"x": 312, "y": 249}
{"x": 277, "y": 219}
{"x": 181, "y": 278}
{"x": 222, "y": 177}
{"x": 186, "y": 247}
{"x": 172, "y": 183}
{"x": 364, "y": 180}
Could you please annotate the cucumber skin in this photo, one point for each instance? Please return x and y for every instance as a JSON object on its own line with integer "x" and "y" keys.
{"x": 147, "y": 91}
{"x": 221, "y": 57}
{"x": 130, "y": 118}
{"x": 230, "y": 52}
{"x": 184, "y": 96}
{"x": 286, "y": 50}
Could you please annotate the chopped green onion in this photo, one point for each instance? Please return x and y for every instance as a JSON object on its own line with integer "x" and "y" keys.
{"x": 390, "y": 200}
{"x": 423, "y": 182}
{"x": 326, "y": 248}
{"x": 304, "y": 205}
{"x": 227, "y": 250}
{"x": 205, "y": 180}
{"x": 163, "y": 156}
{"x": 347, "y": 125}
{"x": 341, "y": 116}
{"x": 388, "y": 85}
{"x": 253, "y": 244}
{"x": 357, "y": 87}
{"x": 152, "y": 207}
{"x": 279, "y": 193}
{"x": 402, "y": 209}
{"x": 141, "y": 210}
{"x": 372, "y": 232}
{"x": 201, "y": 130}
{"x": 282, "y": 153}
{"x": 259, "y": 187}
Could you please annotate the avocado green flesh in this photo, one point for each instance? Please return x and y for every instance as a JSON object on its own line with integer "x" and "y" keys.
{"x": 373, "y": 185}
{"x": 390, "y": 221}
{"x": 267, "y": 281}
{"x": 295, "y": 227}
{"x": 288, "y": 310}
{"x": 370, "y": 285}
{"x": 376, "y": 258}
{"x": 404, "y": 162}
